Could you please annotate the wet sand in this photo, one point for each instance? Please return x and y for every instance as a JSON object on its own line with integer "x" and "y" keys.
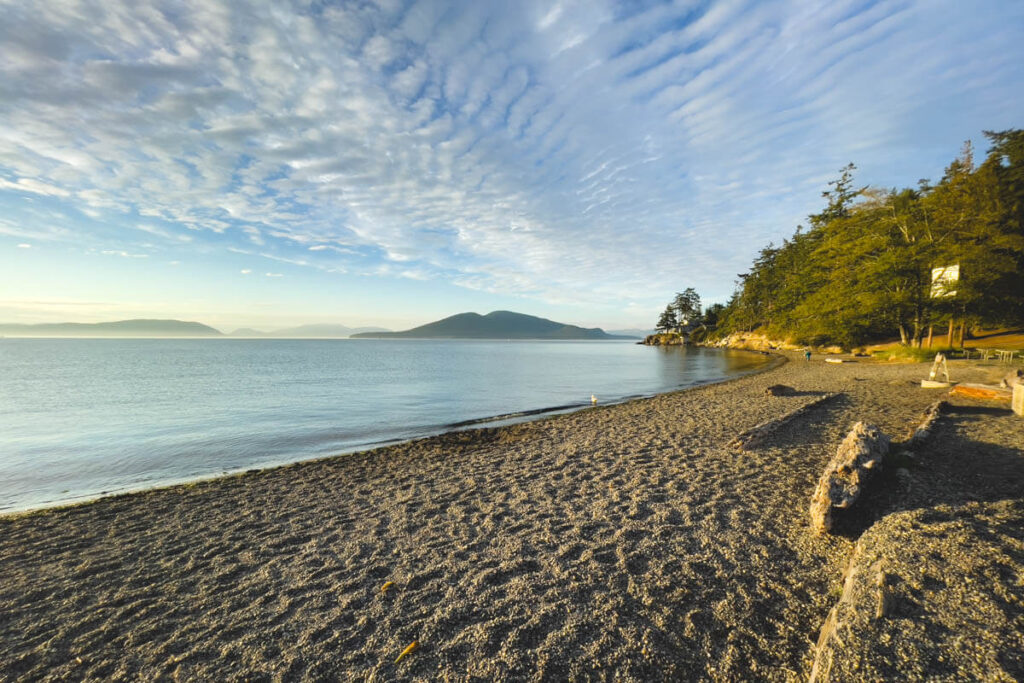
{"x": 627, "y": 542}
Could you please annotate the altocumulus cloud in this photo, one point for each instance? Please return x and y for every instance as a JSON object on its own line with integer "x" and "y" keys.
{"x": 559, "y": 150}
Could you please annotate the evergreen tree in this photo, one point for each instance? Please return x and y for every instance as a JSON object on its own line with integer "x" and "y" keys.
{"x": 687, "y": 307}
{"x": 863, "y": 269}
{"x": 668, "y": 320}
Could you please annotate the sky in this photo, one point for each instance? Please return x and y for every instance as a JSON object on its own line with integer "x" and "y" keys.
{"x": 392, "y": 162}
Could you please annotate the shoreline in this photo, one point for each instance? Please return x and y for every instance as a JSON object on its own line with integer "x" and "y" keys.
{"x": 627, "y": 538}
{"x": 487, "y": 422}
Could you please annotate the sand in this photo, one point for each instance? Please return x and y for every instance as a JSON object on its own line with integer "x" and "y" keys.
{"x": 627, "y": 542}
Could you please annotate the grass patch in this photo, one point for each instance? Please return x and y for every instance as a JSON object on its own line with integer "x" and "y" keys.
{"x": 907, "y": 354}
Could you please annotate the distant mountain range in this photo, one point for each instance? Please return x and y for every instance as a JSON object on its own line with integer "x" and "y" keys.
{"x": 495, "y": 325}
{"x": 632, "y": 333}
{"x": 307, "y": 332}
{"x": 121, "y": 328}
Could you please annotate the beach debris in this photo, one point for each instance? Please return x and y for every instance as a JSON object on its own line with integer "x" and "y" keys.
{"x": 988, "y": 392}
{"x": 387, "y": 585}
{"x": 938, "y": 365}
{"x": 752, "y": 437}
{"x": 1018, "y": 400}
{"x": 836, "y": 360}
{"x": 884, "y": 598}
{"x": 780, "y": 390}
{"x": 593, "y": 400}
{"x": 1012, "y": 379}
{"x": 412, "y": 647}
{"x": 857, "y": 458}
{"x": 924, "y": 430}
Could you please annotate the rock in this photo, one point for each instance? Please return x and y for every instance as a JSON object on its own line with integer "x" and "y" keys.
{"x": 858, "y": 457}
{"x": 780, "y": 390}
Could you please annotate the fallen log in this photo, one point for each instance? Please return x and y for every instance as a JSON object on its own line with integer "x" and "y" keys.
{"x": 982, "y": 391}
{"x": 918, "y": 435}
{"x": 752, "y": 437}
{"x": 858, "y": 457}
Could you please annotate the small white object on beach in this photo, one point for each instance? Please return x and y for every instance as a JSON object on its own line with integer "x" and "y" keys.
{"x": 938, "y": 366}
{"x": 835, "y": 360}
{"x": 593, "y": 399}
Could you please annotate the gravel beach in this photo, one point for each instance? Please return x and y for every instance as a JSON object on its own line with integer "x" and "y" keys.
{"x": 627, "y": 542}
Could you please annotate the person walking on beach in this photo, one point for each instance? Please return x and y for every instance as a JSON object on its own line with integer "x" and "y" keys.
{"x": 807, "y": 354}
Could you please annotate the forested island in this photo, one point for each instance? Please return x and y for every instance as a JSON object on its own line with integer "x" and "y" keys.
{"x": 876, "y": 263}
{"x": 495, "y": 325}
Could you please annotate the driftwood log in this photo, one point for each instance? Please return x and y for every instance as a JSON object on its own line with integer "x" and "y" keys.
{"x": 859, "y": 581}
{"x": 919, "y": 434}
{"x": 859, "y": 456}
{"x": 752, "y": 437}
{"x": 982, "y": 391}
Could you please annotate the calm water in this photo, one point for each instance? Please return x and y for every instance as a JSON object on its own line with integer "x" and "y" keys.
{"x": 81, "y": 417}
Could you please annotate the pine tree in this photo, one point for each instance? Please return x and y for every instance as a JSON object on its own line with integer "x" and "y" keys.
{"x": 668, "y": 320}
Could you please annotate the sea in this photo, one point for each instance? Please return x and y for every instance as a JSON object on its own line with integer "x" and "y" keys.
{"x": 83, "y": 418}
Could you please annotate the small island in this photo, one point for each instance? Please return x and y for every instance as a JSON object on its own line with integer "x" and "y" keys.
{"x": 496, "y": 325}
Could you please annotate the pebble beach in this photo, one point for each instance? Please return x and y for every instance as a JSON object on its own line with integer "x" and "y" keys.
{"x": 627, "y": 542}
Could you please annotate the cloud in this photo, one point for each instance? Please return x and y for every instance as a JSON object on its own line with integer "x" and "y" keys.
{"x": 275, "y": 274}
{"x": 123, "y": 254}
{"x": 246, "y": 271}
{"x": 165, "y": 234}
{"x": 569, "y": 152}
{"x": 33, "y": 186}
{"x": 24, "y": 245}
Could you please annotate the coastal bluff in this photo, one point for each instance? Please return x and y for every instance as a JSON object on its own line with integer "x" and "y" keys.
{"x": 666, "y": 339}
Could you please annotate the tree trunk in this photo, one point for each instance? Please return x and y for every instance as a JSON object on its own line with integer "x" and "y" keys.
{"x": 903, "y": 334}
{"x": 963, "y": 331}
{"x": 931, "y": 329}
{"x": 949, "y": 335}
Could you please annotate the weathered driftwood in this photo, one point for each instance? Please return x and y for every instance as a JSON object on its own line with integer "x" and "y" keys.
{"x": 1018, "y": 400}
{"x": 858, "y": 582}
{"x": 858, "y": 457}
{"x": 982, "y": 391}
{"x": 919, "y": 434}
{"x": 755, "y": 435}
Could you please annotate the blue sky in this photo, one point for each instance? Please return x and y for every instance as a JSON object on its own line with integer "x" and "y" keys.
{"x": 392, "y": 162}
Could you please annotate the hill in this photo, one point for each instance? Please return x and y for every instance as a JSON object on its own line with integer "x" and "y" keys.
{"x": 494, "y": 325}
{"x": 320, "y": 331}
{"x": 120, "y": 328}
